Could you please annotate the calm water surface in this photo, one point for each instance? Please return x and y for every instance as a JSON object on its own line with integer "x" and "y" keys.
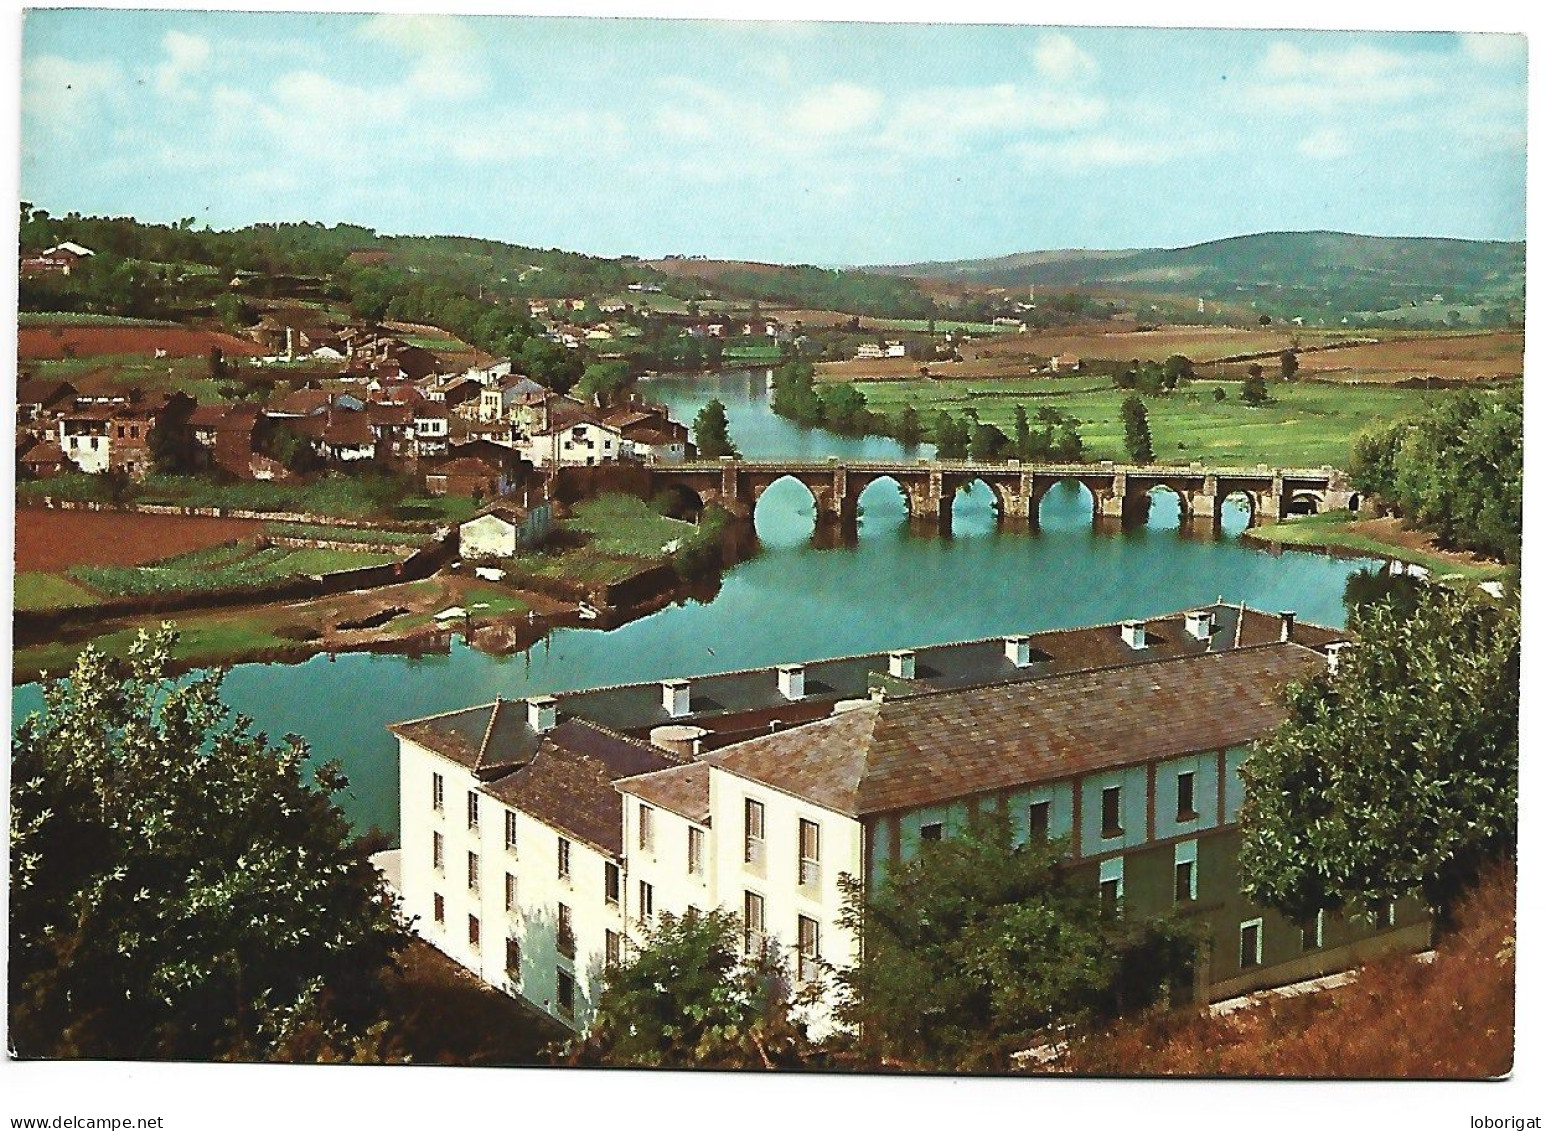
{"x": 890, "y": 589}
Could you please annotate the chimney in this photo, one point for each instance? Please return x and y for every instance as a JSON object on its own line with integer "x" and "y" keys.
{"x": 541, "y": 713}
{"x": 1016, "y": 649}
{"x": 675, "y": 697}
{"x": 1134, "y": 633}
{"x": 902, "y": 664}
{"x": 789, "y": 678}
{"x": 1199, "y": 624}
{"x": 1333, "y": 654}
{"x": 1288, "y": 620}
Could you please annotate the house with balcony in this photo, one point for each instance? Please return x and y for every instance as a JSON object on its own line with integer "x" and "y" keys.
{"x": 1123, "y": 740}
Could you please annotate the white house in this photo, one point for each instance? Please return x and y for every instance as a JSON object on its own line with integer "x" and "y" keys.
{"x": 501, "y": 530}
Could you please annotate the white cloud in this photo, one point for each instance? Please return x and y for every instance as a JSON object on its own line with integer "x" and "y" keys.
{"x": 186, "y": 55}
{"x": 1494, "y": 49}
{"x": 1109, "y": 151}
{"x": 839, "y": 108}
{"x": 444, "y": 50}
{"x": 939, "y": 120}
{"x": 58, "y": 92}
{"x": 1295, "y": 80}
{"x": 1058, "y": 58}
{"x": 1325, "y": 145}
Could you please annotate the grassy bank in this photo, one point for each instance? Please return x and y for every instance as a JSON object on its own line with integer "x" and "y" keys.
{"x": 233, "y": 566}
{"x": 1380, "y": 538}
{"x": 1306, "y": 424}
{"x": 609, "y": 539}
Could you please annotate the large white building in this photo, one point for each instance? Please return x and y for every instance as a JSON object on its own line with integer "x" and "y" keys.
{"x": 541, "y": 838}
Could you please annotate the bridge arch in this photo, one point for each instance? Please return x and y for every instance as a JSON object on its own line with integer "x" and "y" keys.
{"x": 882, "y": 502}
{"x": 1065, "y": 504}
{"x": 785, "y": 510}
{"x": 978, "y": 506}
{"x": 679, "y": 500}
{"x": 1305, "y": 502}
{"x": 1236, "y": 511}
{"x": 1168, "y": 508}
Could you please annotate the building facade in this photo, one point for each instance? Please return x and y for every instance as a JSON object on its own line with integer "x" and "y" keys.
{"x": 770, "y": 786}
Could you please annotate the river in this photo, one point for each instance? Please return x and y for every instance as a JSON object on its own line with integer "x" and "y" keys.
{"x": 793, "y": 601}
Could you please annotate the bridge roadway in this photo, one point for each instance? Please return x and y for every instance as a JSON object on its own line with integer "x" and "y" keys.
{"x": 1120, "y": 492}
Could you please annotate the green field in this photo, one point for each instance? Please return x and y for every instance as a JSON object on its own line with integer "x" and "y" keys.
{"x": 231, "y": 566}
{"x": 1307, "y": 424}
{"x": 941, "y": 325}
{"x": 50, "y": 591}
{"x": 190, "y": 375}
{"x": 81, "y": 318}
{"x": 606, "y": 540}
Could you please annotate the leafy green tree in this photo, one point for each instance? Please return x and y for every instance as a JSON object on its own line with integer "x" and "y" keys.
{"x": 1218, "y": 395}
{"x": 794, "y": 395}
{"x": 980, "y": 947}
{"x": 687, "y": 999}
{"x": 1253, "y": 390}
{"x": 987, "y": 442}
{"x": 712, "y": 439}
{"x": 1133, "y": 413}
{"x": 908, "y": 429}
{"x": 171, "y": 441}
{"x": 1289, "y": 364}
{"x": 604, "y": 381}
{"x": 1176, "y": 369}
{"x": 1398, "y": 774}
{"x": 178, "y": 887}
{"x": 1022, "y": 437}
{"x": 951, "y": 436}
{"x": 1149, "y": 378}
{"x": 844, "y": 409}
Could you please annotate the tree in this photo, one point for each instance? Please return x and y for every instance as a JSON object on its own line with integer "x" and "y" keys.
{"x": 686, "y": 999}
{"x": 1289, "y": 362}
{"x": 712, "y": 440}
{"x": 1022, "y": 437}
{"x": 1253, "y": 390}
{"x": 987, "y": 442}
{"x": 604, "y": 381}
{"x": 1138, "y": 435}
{"x": 908, "y": 429}
{"x": 1264, "y": 320}
{"x": 170, "y": 441}
{"x": 178, "y": 887}
{"x": 1218, "y": 395}
{"x": 1396, "y": 775}
{"x": 979, "y": 947}
{"x": 951, "y": 436}
{"x": 1177, "y": 368}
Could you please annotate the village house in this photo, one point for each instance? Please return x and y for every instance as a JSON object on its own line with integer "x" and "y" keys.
{"x": 648, "y": 433}
{"x": 40, "y": 459}
{"x": 225, "y": 433}
{"x": 571, "y": 433}
{"x": 502, "y": 529}
{"x": 39, "y": 399}
{"x": 755, "y": 791}
{"x": 513, "y": 398}
{"x": 480, "y": 469}
{"x": 1065, "y": 363}
{"x": 111, "y": 438}
{"x": 432, "y": 425}
{"x": 61, "y": 259}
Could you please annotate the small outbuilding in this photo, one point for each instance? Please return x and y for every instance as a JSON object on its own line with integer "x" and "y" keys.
{"x": 499, "y": 531}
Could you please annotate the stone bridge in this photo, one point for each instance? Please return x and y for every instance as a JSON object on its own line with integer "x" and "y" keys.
{"x": 1121, "y": 493}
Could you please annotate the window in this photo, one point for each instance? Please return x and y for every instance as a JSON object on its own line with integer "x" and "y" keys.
{"x": 438, "y": 852}
{"x": 473, "y": 810}
{"x": 439, "y": 908}
{"x": 644, "y": 910}
{"x": 753, "y": 923}
{"x": 473, "y": 930}
{"x": 563, "y": 858}
{"x": 511, "y": 892}
{"x": 513, "y": 958}
{"x": 644, "y": 829}
{"x": 1184, "y": 881}
{"x": 1314, "y": 932}
{"x": 565, "y": 993}
{"x": 1185, "y": 797}
{"x": 807, "y": 948}
{"x": 473, "y": 871}
{"x": 611, "y": 883}
{"x": 696, "y": 852}
{"x": 1382, "y": 913}
{"x": 610, "y": 949}
{"x": 1039, "y": 822}
{"x": 1112, "y": 886}
{"x": 438, "y": 792}
{"x": 1249, "y": 944}
{"x": 511, "y": 832}
{"x": 932, "y": 832}
{"x": 1110, "y": 812}
{"x": 1185, "y": 871}
{"x": 807, "y": 852}
{"x": 565, "y": 939}
{"x": 753, "y": 831}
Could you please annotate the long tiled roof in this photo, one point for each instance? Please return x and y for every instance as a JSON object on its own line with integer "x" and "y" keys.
{"x": 931, "y": 748}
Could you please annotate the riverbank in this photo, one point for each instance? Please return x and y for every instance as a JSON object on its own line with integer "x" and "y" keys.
{"x": 1388, "y": 538}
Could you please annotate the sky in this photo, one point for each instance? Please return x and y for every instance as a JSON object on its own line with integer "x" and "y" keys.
{"x": 791, "y": 142}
